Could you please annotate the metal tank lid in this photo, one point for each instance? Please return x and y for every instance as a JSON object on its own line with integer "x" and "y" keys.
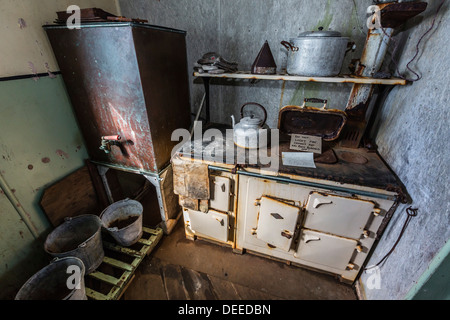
{"x": 114, "y": 24}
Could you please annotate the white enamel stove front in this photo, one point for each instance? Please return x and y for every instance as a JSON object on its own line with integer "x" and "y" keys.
{"x": 218, "y": 222}
{"x": 309, "y": 226}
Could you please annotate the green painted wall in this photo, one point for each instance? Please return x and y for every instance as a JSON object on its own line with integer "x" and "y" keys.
{"x": 434, "y": 284}
{"x": 438, "y": 286}
{"x": 20, "y": 253}
{"x": 40, "y": 143}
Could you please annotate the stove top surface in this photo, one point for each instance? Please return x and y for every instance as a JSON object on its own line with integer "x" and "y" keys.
{"x": 359, "y": 167}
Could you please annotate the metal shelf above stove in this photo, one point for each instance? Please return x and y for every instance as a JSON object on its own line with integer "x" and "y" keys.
{"x": 286, "y": 77}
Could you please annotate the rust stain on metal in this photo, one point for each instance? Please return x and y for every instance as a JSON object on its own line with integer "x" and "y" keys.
{"x": 395, "y": 14}
{"x": 191, "y": 179}
{"x": 287, "y": 203}
{"x": 327, "y": 123}
{"x": 353, "y": 158}
{"x": 283, "y": 86}
{"x": 286, "y": 234}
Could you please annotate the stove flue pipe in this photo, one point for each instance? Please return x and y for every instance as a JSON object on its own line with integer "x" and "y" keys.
{"x": 390, "y": 15}
{"x": 372, "y": 58}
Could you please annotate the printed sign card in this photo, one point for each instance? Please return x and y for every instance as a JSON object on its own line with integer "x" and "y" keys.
{"x": 305, "y": 143}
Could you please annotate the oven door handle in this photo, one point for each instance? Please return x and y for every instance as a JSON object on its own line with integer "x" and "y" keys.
{"x": 309, "y": 238}
{"x": 318, "y": 202}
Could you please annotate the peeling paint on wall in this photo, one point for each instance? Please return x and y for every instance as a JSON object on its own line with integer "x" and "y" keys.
{"x": 33, "y": 70}
{"x": 50, "y": 74}
{"x": 62, "y": 154}
{"x": 22, "y": 23}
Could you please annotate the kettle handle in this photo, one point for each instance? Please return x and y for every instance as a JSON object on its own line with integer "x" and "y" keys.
{"x": 256, "y": 104}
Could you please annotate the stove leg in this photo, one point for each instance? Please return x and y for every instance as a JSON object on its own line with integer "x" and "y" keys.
{"x": 156, "y": 182}
{"x": 238, "y": 251}
{"x": 207, "y": 102}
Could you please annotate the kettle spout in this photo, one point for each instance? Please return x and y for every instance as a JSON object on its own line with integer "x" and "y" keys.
{"x": 233, "y": 121}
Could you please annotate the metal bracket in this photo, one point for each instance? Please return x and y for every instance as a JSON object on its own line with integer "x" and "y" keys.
{"x": 102, "y": 170}
{"x": 156, "y": 182}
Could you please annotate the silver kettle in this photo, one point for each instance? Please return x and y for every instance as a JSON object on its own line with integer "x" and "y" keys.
{"x": 251, "y": 132}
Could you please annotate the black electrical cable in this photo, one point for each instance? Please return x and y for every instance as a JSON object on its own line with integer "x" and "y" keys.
{"x": 410, "y": 214}
{"x": 418, "y": 77}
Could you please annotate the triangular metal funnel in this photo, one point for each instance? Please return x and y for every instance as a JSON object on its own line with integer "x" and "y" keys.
{"x": 264, "y": 62}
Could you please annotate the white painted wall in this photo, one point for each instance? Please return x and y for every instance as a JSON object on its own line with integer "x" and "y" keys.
{"x": 29, "y": 44}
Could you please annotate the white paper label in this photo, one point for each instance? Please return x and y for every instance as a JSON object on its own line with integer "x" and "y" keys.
{"x": 301, "y": 142}
{"x": 299, "y": 159}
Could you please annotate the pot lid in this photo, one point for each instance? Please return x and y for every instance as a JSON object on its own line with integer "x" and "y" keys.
{"x": 320, "y": 33}
{"x": 251, "y": 121}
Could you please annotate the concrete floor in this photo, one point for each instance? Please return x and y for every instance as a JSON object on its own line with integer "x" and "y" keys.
{"x": 180, "y": 269}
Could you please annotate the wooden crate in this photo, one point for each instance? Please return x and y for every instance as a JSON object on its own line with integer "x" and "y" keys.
{"x": 116, "y": 272}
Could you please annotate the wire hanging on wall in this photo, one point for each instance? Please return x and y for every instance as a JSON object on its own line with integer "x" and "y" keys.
{"x": 410, "y": 214}
{"x": 418, "y": 77}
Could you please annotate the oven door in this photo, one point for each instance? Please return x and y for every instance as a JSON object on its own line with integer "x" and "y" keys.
{"x": 342, "y": 216}
{"x": 277, "y": 222}
{"x": 220, "y": 193}
{"x": 212, "y": 224}
{"x": 325, "y": 249}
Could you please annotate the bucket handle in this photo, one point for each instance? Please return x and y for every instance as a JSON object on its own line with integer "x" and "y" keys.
{"x": 83, "y": 245}
{"x": 54, "y": 260}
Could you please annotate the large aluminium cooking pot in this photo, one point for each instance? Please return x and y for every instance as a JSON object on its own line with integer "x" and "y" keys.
{"x": 317, "y": 53}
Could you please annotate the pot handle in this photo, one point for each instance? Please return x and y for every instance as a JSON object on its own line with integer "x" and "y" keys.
{"x": 289, "y": 46}
{"x": 256, "y": 104}
{"x": 351, "y": 46}
{"x": 315, "y": 100}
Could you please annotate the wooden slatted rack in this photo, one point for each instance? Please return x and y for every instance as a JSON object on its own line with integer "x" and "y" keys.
{"x": 119, "y": 264}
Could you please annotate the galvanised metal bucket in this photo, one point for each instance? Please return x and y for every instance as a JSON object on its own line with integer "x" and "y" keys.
{"x": 78, "y": 237}
{"x": 57, "y": 281}
{"x": 123, "y": 221}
